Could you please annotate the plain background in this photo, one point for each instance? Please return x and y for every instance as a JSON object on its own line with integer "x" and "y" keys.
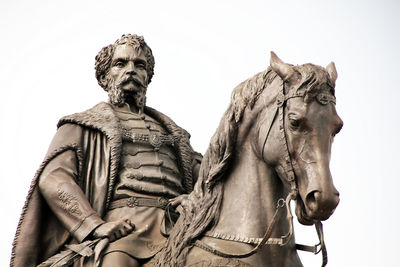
{"x": 203, "y": 49}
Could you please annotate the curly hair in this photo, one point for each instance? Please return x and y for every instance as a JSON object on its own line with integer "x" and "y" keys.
{"x": 103, "y": 58}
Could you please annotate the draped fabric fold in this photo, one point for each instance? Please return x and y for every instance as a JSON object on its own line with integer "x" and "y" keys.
{"x": 94, "y": 137}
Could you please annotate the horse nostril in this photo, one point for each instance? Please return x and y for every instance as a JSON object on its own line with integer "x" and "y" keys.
{"x": 312, "y": 200}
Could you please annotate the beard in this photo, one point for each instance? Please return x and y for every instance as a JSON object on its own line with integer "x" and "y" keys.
{"x": 118, "y": 96}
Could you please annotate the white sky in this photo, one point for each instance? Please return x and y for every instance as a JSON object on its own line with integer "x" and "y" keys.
{"x": 203, "y": 49}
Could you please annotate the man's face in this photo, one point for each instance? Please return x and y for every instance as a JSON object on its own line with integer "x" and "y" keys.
{"x": 128, "y": 69}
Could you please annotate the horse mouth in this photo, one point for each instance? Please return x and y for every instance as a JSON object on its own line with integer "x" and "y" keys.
{"x": 307, "y": 217}
{"x": 301, "y": 213}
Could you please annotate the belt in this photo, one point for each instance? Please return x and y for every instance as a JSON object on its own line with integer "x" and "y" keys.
{"x": 159, "y": 202}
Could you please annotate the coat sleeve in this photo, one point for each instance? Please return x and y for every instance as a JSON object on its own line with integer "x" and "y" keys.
{"x": 65, "y": 198}
{"x": 60, "y": 183}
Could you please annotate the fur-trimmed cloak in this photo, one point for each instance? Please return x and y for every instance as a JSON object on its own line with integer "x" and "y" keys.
{"x": 82, "y": 133}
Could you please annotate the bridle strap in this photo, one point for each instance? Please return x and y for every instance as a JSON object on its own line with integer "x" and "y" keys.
{"x": 283, "y": 240}
{"x": 291, "y": 178}
{"x": 288, "y": 170}
{"x": 217, "y": 252}
{"x": 321, "y": 247}
{"x": 288, "y": 167}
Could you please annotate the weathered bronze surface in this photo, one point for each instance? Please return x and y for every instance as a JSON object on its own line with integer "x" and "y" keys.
{"x": 106, "y": 191}
{"x": 109, "y": 174}
{"x": 272, "y": 146}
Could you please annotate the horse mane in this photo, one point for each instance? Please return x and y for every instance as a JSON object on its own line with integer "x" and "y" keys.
{"x": 314, "y": 79}
{"x": 201, "y": 210}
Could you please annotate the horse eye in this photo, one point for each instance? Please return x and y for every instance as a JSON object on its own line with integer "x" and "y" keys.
{"x": 295, "y": 124}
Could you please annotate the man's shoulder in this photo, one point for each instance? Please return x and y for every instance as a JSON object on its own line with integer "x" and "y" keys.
{"x": 99, "y": 112}
{"x": 100, "y": 117}
{"x": 166, "y": 122}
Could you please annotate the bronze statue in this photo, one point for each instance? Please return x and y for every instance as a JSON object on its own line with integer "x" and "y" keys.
{"x": 110, "y": 172}
{"x": 272, "y": 146}
{"x": 99, "y": 197}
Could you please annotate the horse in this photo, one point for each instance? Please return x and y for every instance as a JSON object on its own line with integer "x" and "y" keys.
{"x": 272, "y": 146}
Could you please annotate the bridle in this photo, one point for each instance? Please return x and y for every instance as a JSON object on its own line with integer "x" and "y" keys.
{"x": 288, "y": 171}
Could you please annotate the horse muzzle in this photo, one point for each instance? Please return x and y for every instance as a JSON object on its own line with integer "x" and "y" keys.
{"x": 320, "y": 205}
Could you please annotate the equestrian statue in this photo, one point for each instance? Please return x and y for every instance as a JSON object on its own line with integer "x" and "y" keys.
{"x": 122, "y": 186}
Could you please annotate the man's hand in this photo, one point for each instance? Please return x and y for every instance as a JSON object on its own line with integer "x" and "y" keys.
{"x": 179, "y": 200}
{"x": 114, "y": 230}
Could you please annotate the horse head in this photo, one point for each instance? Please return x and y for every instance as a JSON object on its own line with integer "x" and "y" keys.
{"x": 307, "y": 124}
{"x": 280, "y": 123}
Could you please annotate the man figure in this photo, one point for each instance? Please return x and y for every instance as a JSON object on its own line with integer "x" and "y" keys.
{"x": 110, "y": 171}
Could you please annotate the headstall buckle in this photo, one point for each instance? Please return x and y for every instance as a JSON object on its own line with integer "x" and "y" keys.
{"x": 280, "y": 99}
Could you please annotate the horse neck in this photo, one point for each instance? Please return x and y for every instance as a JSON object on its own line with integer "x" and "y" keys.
{"x": 250, "y": 195}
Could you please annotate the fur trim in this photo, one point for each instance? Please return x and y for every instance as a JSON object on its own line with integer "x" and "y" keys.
{"x": 102, "y": 118}
{"x": 33, "y": 187}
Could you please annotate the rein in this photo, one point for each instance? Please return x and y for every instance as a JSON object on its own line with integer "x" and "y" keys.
{"x": 288, "y": 170}
{"x": 283, "y": 240}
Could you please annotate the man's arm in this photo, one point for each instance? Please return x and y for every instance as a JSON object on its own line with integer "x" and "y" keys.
{"x": 66, "y": 199}
{"x": 196, "y": 163}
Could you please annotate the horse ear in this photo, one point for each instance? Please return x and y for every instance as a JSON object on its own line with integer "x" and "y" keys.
{"x": 331, "y": 69}
{"x": 284, "y": 70}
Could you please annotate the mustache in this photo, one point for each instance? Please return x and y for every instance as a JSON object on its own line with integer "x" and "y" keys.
{"x": 131, "y": 79}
